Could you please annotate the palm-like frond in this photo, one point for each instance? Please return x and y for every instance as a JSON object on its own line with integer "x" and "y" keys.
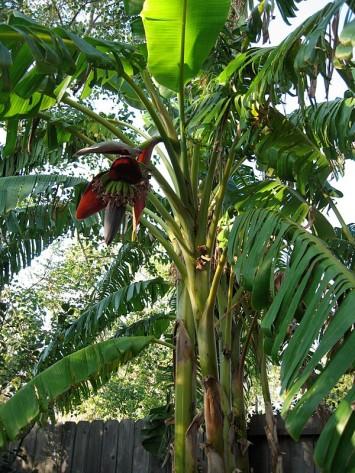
{"x": 28, "y": 227}
{"x": 101, "y": 315}
{"x": 35, "y": 146}
{"x": 317, "y": 297}
{"x": 14, "y": 189}
{"x": 330, "y": 125}
{"x": 245, "y": 193}
{"x": 342, "y": 247}
{"x": 42, "y": 63}
{"x": 245, "y": 177}
{"x": 284, "y": 148}
{"x": 207, "y": 111}
{"x": 66, "y": 380}
{"x": 275, "y": 70}
{"x": 287, "y": 8}
{"x": 130, "y": 258}
{"x": 335, "y": 447}
{"x": 155, "y": 325}
{"x": 272, "y": 195}
{"x": 131, "y": 298}
{"x": 22, "y": 160}
{"x": 25, "y": 233}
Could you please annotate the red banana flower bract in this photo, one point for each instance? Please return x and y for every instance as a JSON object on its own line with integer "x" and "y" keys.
{"x": 89, "y": 203}
{"x": 124, "y": 183}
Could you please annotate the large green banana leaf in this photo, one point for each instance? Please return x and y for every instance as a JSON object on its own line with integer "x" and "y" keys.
{"x": 330, "y": 125}
{"x": 133, "y": 7}
{"x": 316, "y": 302}
{"x": 284, "y": 148}
{"x": 180, "y": 35}
{"x": 345, "y": 50}
{"x": 39, "y": 64}
{"x": 289, "y": 63}
{"x": 14, "y": 189}
{"x": 101, "y": 315}
{"x": 56, "y": 384}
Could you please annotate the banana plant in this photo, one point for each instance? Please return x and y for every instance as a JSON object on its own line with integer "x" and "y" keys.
{"x": 212, "y": 116}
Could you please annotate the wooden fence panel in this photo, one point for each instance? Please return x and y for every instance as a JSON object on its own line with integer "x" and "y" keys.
{"x": 109, "y": 447}
{"x": 125, "y": 447}
{"x": 67, "y": 446}
{"x": 155, "y": 467}
{"x": 259, "y": 455}
{"x": 25, "y": 462}
{"x": 94, "y": 447}
{"x": 41, "y": 450}
{"x": 115, "y": 447}
{"x": 80, "y": 447}
{"x": 140, "y": 455}
{"x": 295, "y": 457}
{"x": 48, "y": 449}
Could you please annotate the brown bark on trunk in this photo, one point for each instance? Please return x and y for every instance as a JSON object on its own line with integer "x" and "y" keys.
{"x": 214, "y": 426}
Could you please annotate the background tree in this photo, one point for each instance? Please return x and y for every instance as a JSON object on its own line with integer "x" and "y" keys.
{"x": 59, "y": 290}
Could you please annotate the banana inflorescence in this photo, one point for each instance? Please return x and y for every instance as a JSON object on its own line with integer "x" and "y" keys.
{"x": 125, "y": 190}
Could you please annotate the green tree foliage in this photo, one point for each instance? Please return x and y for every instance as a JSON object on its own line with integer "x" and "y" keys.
{"x": 57, "y": 296}
{"x": 96, "y": 18}
{"x": 137, "y": 388}
{"x": 22, "y": 337}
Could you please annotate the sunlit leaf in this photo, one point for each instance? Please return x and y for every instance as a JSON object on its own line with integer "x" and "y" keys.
{"x": 180, "y": 34}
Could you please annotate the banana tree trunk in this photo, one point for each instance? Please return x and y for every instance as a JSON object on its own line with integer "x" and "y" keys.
{"x": 270, "y": 427}
{"x": 238, "y": 402}
{"x": 185, "y": 447}
{"x": 213, "y": 413}
{"x": 225, "y": 322}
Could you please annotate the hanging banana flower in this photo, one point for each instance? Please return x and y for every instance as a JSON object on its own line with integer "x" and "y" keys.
{"x": 125, "y": 183}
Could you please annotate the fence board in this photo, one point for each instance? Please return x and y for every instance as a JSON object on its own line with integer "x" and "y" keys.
{"x": 155, "y": 465}
{"x": 109, "y": 447}
{"x": 125, "y": 447}
{"x": 67, "y": 446}
{"x": 79, "y": 453}
{"x": 9, "y": 457}
{"x": 294, "y": 458}
{"x": 41, "y": 450}
{"x": 315, "y": 438}
{"x": 47, "y": 453}
{"x": 308, "y": 449}
{"x": 140, "y": 455}
{"x": 259, "y": 455}
{"x": 26, "y": 460}
{"x": 94, "y": 447}
{"x": 56, "y": 433}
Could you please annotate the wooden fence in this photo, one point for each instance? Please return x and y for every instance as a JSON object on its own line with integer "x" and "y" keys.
{"x": 115, "y": 447}
{"x": 297, "y": 456}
